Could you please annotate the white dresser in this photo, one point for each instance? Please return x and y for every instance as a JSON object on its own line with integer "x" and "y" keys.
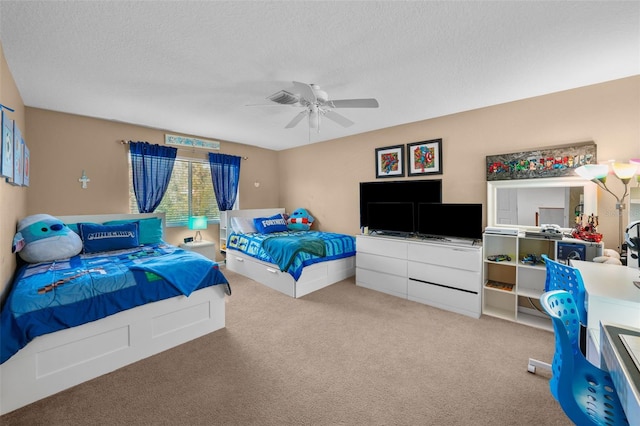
{"x": 441, "y": 274}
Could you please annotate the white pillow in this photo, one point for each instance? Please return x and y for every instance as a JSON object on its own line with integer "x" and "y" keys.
{"x": 243, "y": 225}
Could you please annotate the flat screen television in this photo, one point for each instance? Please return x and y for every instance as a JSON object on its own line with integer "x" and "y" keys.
{"x": 450, "y": 220}
{"x": 400, "y": 191}
{"x": 391, "y": 217}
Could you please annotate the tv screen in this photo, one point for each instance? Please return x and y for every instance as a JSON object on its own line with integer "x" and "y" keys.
{"x": 402, "y": 191}
{"x": 450, "y": 220}
{"x": 391, "y": 217}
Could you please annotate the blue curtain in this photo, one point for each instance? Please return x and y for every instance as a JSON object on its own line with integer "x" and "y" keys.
{"x": 151, "y": 166}
{"x": 225, "y": 174}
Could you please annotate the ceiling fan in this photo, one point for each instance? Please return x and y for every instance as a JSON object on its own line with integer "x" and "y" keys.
{"x": 316, "y": 104}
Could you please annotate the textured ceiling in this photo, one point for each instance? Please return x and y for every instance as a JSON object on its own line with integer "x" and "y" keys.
{"x": 193, "y": 67}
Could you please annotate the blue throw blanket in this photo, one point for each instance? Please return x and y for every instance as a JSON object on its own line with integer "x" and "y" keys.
{"x": 51, "y": 296}
{"x": 284, "y": 249}
{"x": 337, "y": 246}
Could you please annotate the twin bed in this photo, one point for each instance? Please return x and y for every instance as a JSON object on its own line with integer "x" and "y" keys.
{"x": 306, "y": 274}
{"x": 60, "y": 337}
{"x": 137, "y": 301}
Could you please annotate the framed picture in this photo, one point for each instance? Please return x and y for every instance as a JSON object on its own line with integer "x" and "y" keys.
{"x": 18, "y": 158}
{"x": 389, "y": 162}
{"x": 6, "y": 166}
{"x": 424, "y": 158}
{"x": 27, "y": 166}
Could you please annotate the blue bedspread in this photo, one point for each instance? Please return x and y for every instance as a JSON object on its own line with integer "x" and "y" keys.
{"x": 51, "y": 296}
{"x": 337, "y": 246}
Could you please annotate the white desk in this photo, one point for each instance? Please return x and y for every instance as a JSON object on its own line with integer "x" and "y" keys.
{"x": 611, "y": 297}
{"x": 624, "y": 372}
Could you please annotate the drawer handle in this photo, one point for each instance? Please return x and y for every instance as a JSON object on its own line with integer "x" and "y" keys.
{"x": 239, "y": 259}
{"x": 273, "y": 271}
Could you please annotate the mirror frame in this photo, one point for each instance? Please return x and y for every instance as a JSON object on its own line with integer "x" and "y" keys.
{"x": 590, "y": 191}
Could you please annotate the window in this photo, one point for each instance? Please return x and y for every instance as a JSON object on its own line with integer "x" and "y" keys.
{"x": 190, "y": 193}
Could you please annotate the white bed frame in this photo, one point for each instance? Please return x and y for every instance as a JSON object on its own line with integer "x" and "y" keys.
{"x": 314, "y": 277}
{"x": 60, "y": 360}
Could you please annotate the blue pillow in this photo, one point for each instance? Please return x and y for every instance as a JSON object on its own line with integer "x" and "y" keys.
{"x": 266, "y": 225}
{"x": 98, "y": 238}
{"x": 149, "y": 230}
{"x": 74, "y": 226}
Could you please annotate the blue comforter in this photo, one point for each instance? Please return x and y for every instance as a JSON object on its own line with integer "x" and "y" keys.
{"x": 51, "y": 296}
{"x": 265, "y": 247}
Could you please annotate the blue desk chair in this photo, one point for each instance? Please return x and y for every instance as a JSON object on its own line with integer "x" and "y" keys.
{"x": 567, "y": 278}
{"x": 585, "y": 392}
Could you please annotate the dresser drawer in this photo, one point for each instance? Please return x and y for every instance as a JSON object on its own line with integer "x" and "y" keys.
{"x": 381, "y": 246}
{"x": 445, "y": 298}
{"x": 469, "y": 259}
{"x": 387, "y": 265}
{"x": 456, "y": 278}
{"x": 390, "y": 284}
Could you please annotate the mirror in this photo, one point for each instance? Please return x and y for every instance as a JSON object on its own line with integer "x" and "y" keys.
{"x": 529, "y": 203}
{"x": 634, "y": 204}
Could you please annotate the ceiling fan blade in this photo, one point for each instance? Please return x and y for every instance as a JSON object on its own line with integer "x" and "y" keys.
{"x": 296, "y": 120}
{"x": 270, "y": 105}
{"x": 305, "y": 91}
{"x": 354, "y": 103}
{"x": 340, "y": 119}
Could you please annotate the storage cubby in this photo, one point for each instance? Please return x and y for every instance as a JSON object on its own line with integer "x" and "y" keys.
{"x": 512, "y": 288}
{"x": 536, "y": 247}
{"x": 499, "y": 303}
{"x": 501, "y": 245}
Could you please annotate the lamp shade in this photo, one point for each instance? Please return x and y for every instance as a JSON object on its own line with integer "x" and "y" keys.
{"x": 624, "y": 170}
{"x": 198, "y": 222}
{"x": 593, "y": 171}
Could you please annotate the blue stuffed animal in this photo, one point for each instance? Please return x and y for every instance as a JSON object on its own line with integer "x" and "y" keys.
{"x": 44, "y": 238}
{"x": 300, "y": 220}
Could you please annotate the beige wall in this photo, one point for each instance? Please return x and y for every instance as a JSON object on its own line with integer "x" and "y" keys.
{"x": 13, "y": 199}
{"x": 608, "y": 114}
{"x": 63, "y": 145}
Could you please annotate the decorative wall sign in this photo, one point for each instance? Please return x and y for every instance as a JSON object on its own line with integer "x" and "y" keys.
{"x": 6, "y": 167}
{"x": 389, "y": 161}
{"x": 541, "y": 163}
{"x": 183, "y": 142}
{"x": 425, "y": 158}
{"x": 27, "y": 166}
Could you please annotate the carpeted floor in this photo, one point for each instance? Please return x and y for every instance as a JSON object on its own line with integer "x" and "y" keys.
{"x": 343, "y": 355}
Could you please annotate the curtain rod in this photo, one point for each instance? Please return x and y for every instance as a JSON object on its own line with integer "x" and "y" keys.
{"x": 124, "y": 142}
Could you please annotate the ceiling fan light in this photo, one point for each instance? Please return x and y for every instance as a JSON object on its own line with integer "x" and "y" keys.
{"x": 313, "y": 119}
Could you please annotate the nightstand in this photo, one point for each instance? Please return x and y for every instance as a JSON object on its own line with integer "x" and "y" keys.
{"x": 205, "y": 248}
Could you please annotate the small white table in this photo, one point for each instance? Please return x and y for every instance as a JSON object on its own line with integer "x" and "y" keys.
{"x": 205, "y": 248}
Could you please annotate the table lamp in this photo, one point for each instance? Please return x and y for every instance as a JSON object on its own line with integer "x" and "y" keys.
{"x": 197, "y": 223}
